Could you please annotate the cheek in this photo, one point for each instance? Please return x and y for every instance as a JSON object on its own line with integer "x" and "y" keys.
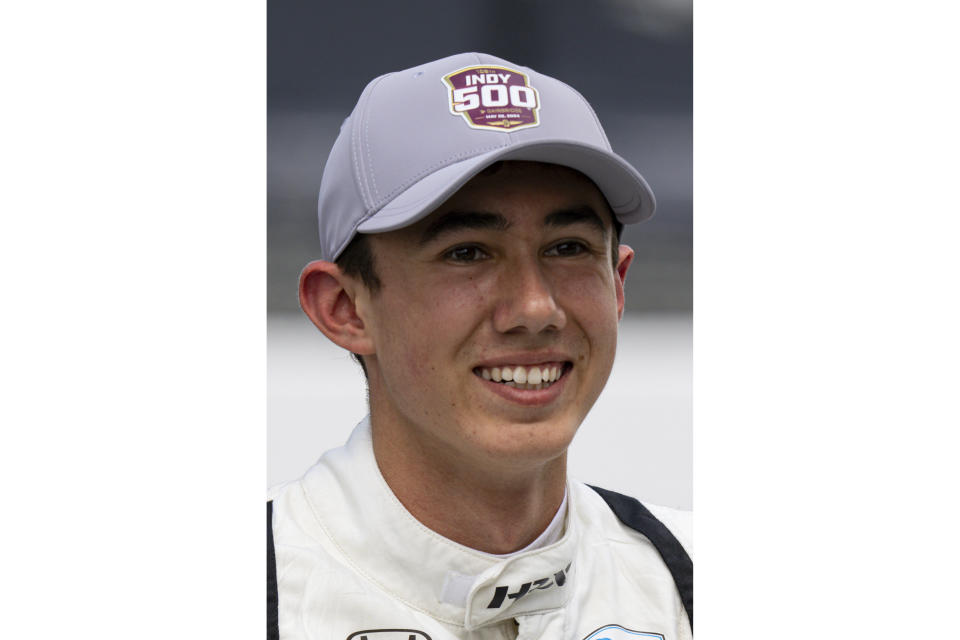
{"x": 590, "y": 293}
{"x": 451, "y": 307}
{"x": 422, "y": 327}
{"x": 401, "y": 344}
{"x": 591, "y": 304}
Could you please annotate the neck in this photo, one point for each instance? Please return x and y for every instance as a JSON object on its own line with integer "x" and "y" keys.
{"x": 493, "y": 505}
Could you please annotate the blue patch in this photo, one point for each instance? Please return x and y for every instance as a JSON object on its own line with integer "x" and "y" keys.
{"x": 616, "y": 632}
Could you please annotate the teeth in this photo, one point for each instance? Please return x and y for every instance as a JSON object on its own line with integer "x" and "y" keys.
{"x": 523, "y": 377}
{"x": 534, "y": 376}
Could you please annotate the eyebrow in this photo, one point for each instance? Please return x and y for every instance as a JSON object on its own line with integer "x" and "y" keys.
{"x": 576, "y": 215}
{"x": 457, "y": 220}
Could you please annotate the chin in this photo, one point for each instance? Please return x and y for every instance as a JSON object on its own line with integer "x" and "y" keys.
{"x": 528, "y": 442}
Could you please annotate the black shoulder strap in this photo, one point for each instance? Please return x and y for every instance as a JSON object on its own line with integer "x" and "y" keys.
{"x": 273, "y": 600}
{"x": 636, "y": 516}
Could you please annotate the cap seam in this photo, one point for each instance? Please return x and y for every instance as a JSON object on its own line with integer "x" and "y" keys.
{"x": 375, "y": 195}
{"x": 357, "y": 146}
{"x": 596, "y": 120}
{"x": 355, "y": 156}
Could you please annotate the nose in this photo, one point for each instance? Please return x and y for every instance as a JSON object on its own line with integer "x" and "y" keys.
{"x": 526, "y": 301}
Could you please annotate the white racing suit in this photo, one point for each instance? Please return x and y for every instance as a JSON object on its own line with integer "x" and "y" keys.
{"x": 346, "y": 561}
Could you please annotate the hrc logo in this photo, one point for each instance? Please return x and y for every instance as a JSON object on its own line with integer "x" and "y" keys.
{"x": 502, "y": 592}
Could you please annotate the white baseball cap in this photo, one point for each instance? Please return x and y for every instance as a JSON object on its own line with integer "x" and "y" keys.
{"x": 416, "y": 136}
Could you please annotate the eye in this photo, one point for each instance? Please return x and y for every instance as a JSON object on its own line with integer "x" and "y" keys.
{"x": 568, "y": 248}
{"x": 466, "y": 253}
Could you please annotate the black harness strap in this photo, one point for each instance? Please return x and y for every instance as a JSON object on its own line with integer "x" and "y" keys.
{"x": 273, "y": 599}
{"x": 636, "y": 516}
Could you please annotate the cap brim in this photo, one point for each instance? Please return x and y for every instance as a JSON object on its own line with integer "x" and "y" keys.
{"x": 626, "y": 191}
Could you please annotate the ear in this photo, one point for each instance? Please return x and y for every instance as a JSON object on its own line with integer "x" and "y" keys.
{"x": 329, "y": 298}
{"x": 624, "y": 258}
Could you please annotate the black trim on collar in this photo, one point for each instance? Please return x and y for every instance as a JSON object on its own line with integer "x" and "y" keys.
{"x": 273, "y": 600}
{"x": 636, "y": 516}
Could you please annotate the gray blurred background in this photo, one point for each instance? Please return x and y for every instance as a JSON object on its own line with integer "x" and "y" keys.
{"x": 631, "y": 59}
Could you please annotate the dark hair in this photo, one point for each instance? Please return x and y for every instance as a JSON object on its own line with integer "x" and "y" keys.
{"x": 357, "y": 261}
{"x": 617, "y": 232}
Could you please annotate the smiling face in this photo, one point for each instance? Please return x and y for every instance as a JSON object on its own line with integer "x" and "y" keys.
{"x": 495, "y": 327}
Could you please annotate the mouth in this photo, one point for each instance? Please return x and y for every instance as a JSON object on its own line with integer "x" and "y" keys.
{"x": 525, "y": 377}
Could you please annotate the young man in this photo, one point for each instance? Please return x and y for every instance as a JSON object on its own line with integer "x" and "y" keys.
{"x": 470, "y": 214}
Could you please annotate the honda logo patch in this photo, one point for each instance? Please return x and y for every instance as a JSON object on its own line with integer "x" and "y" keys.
{"x": 389, "y": 634}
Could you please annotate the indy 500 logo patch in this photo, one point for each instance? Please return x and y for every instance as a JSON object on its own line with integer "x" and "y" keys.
{"x": 493, "y": 97}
